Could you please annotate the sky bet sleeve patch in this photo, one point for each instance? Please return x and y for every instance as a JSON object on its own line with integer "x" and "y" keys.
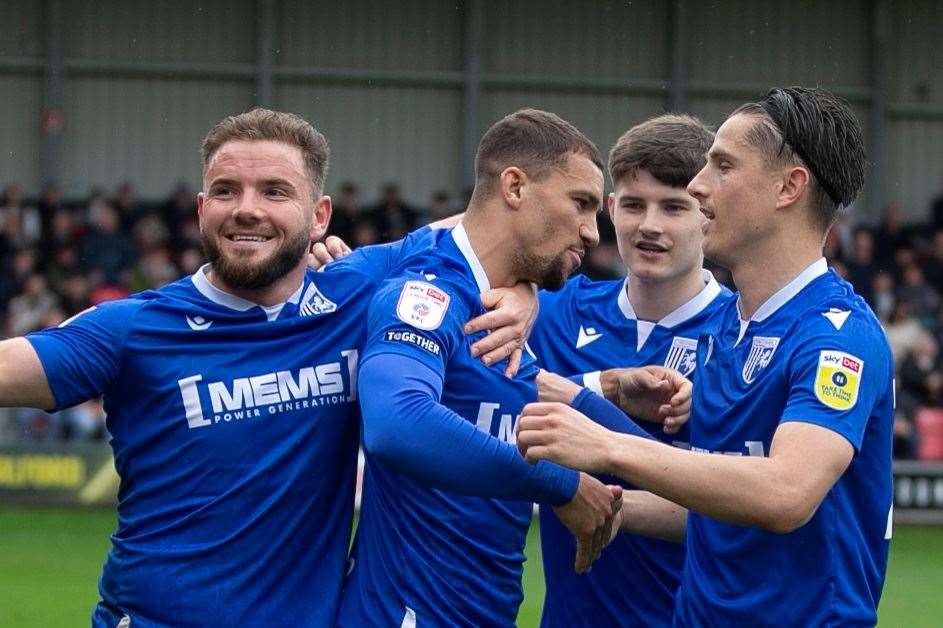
{"x": 422, "y": 305}
{"x": 837, "y": 379}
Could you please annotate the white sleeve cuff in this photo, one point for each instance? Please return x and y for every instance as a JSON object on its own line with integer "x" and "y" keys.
{"x": 591, "y": 381}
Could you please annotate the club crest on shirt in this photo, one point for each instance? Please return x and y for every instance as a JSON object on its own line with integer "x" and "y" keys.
{"x": 837, "y": 379}
{"x": 682, "y": 355}
{"x": 422, "y": 305}
{"x": 313, "y": 303}
{"x": 761, "y": 353}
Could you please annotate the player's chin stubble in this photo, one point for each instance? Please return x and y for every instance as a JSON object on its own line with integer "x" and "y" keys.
{"x": 246, "y": 275}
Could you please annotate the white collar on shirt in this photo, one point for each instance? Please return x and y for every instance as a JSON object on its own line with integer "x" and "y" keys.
{"x": 461, "y": 240}
{"x": 685, "y": 311}
{"x": 202, "y": 283}
{"x": 779, "y": 298}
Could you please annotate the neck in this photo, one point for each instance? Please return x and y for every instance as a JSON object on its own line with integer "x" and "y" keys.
{"x": 491, "y": 243}
{"x": 762, "y": 273}
{"x": 273, "y": 294}
{"x": 654, "y": 300}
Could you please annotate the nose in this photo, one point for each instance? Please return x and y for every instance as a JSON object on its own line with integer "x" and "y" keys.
{"x": 589, "y": 232}
{"x": 651, "y": 225}
{"x": 698, "y": 186}
{"x": 247, "y": 208}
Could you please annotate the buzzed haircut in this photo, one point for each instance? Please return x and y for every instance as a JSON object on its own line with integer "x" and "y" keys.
{"x": 672, "y": 148}
{"x": 533, "y": 140}
{"x": 816, "y": 129}
{"x": 279, "y": 126}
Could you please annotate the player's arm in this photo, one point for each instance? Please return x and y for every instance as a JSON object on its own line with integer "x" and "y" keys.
{"x": 778, "y": 493}
{"x": 23, "y": 381}
{"x": 814, "y": 443}
{"x": 647, "y": 514}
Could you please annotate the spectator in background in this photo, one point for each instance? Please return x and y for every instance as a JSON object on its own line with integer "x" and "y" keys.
{"x": 106, "y": 248}
{"x": 49, "y": 202}
{"x": 921, "y": 373}
{"x": 21, "y": 224}
{"x": 28, "y": 310}
{"x": 903, "y": 329}
{"x": 884, "y": 297}
{"x": 862, "y": 266}
{"x": 190, "y": 260}
{"x": 126, "y": 202}
{"x": 392, "y": 217}
{"x": 923, "y": 298}
{"x": 179, "y": 208}
{"x": 347, "y": 212}
{"x": 440, "y": 207}
{"x": 933, "y": 264}
{"x": 891, "y": 235}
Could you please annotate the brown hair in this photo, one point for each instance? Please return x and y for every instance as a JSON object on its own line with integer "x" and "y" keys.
{"x": 265, "y": 124}
{"x": 535, "y": 141}
{"x": 672, "y": 148}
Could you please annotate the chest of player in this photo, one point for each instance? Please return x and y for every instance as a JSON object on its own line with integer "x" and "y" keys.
{"x": 237, "y": 382}
{"x": 740, "y": 391}
{"x": 484, "y": 395}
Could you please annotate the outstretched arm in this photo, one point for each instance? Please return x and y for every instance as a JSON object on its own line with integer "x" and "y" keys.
{"x": 23, "y": 381}
{"x": 778, "y": 493}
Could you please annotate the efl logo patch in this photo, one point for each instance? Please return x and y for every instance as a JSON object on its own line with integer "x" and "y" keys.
{"x": 761, "y": 354}
{"x": 681, "y": 356}
{"x": 837, "y": 379}
{"x": 422, "y": 305}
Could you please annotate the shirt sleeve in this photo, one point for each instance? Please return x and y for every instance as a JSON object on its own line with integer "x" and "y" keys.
{"x": 837, "y": 376}
{"x": 406, "y": 428}
{"x": 607, "y": 414}
{"x": 82, "y": 356}
{"x": 413, "y": 328}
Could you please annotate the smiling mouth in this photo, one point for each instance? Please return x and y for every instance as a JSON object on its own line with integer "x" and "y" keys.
{"x": 247, "y": 237}
{"x": 651, "y": 247}
{"x": 707, "y": 213}
{"x": 579, "y": 255}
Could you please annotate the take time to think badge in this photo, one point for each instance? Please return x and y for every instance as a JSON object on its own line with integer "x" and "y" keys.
{"x": 837, "y": 379}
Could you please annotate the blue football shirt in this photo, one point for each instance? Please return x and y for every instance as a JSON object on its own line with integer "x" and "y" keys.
{"x": 815, "y": 353}
{"x": 425, "y": 555}
{"x": 234, "y": 429}
{"x": 586, "y": 327}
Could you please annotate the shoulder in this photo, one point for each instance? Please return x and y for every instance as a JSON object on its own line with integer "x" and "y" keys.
{"x": 580, "y": 290}
{"x": 425, "y": 300}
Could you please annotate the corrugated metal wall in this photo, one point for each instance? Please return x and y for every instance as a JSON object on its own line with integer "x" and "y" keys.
{"x": 386, "y": 82}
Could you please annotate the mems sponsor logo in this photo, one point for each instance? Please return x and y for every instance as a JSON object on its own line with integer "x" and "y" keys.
{"x": 269, "y": 394}
{"x": 500, "y": 425}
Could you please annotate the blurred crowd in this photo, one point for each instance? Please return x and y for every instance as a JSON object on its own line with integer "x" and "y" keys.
{"x": 59, "y": 257}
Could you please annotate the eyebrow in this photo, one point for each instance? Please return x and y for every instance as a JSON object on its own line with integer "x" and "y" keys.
{"x": 662, "y": 200}
{"x": 719, "y": 153}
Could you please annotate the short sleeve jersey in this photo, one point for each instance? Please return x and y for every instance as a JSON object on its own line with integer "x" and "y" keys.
{"x": 586, "y": 327}
{"x": 425, "y": 556}
{"x": 813, "y": 353}
{"x": 234, "y": 429}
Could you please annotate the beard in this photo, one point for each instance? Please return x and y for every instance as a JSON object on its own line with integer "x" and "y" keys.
{"x": 242, "y": 274}
{"x": 547, "y": 272}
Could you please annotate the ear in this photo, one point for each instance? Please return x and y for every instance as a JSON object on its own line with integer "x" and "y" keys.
{"x": 511, "y": 183}
{"x": 321, "y": 218}
{"x": 200, "y": 199}
{"x": 611, "y": 204}
{"x": 794, "y": 183}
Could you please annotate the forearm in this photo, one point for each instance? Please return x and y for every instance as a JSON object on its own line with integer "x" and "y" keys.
{"x": 23, "y": 381}
{"x": 744, "y": 490}
{"x": 648, "y": 514}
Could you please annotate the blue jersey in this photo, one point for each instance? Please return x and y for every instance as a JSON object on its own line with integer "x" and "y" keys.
{"x": 234, "y": 428}
{"x": 584, "y": 328}
{"x": 437, "y": 544}
{"x": 813, "y": 353}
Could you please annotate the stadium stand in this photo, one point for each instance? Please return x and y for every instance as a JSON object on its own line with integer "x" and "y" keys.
{"x": 59, "y": 256}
